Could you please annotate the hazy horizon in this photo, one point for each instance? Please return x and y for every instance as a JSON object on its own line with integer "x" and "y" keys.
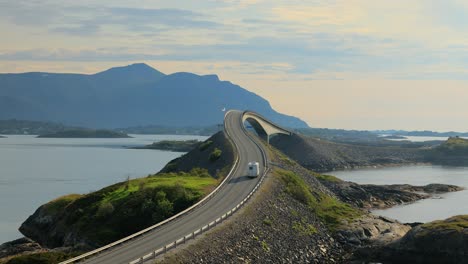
{"x": 354, "y": 64}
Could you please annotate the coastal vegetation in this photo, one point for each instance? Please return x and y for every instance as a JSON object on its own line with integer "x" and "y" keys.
{"x": 330, "y": 210}
{"x": 121, "y": 209}
{"x": 456, "y": 223}
{"x": 328, "y": 178}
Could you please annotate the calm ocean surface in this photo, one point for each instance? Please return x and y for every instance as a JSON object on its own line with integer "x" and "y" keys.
{"x": 441, "y": 207}
{"x": 34, "y": 171}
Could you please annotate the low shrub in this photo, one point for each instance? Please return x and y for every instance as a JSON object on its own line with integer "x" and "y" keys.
{"x": 215, "y": 155}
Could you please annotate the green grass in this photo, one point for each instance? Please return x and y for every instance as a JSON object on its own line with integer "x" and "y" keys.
{"x": 329, "y": 209}
{"x": 130, "y": 206}
{"x": 457, "y": 223}
{"x": 60, "y": 202}
{"x": 165, "y": 180}
{"x": 304, "y": 228}
{"x": 457, "y": 141}
{"x": 287, "y": 160}
{"x": 328, "y": 178}
{"x": 265, "y": 246}
{"x": 267, "y": 221}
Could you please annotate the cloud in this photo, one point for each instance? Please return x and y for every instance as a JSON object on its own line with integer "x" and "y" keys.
{"x": 173, "y": 18}
{"x": 75, "y": 19}
{"x": 316, "y": 39}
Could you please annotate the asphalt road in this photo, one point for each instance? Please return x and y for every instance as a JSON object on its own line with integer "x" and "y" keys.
{"x": 233, "y": 192}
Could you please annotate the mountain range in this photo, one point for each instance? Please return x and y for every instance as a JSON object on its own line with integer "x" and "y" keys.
{"x": 134, "y": 95}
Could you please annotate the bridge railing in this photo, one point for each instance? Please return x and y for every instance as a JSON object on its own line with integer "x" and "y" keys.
{"x": 268, "y": 121}
{"x": 160, "y": 224}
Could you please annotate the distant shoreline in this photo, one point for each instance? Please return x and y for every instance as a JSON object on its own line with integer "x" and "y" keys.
{"x": 85, "y": 134}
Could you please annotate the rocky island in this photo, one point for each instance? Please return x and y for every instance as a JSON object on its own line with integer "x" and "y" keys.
{"x": 173, "y": 145}
{"x": 85, "y": 133}
{"x": 452, "y": 152}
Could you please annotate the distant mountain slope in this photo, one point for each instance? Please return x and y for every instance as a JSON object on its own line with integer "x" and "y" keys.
{"x": 128, "y": 96}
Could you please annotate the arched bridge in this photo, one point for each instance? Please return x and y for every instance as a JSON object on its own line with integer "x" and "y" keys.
{"x": 227, "y": 198}
{"x": 264, "y": 127}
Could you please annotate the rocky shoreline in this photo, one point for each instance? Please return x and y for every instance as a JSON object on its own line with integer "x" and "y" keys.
{"x": 369, "y": 196}
{"x": 443, "y": 241}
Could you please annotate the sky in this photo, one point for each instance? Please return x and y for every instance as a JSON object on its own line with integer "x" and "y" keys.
{"x": 353, "y": 64}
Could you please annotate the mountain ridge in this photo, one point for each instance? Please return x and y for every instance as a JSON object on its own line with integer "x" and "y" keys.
{"x": 132, "y": 95}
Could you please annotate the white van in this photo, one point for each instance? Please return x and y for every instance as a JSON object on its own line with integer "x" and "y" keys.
{"x": 253, "y": 169}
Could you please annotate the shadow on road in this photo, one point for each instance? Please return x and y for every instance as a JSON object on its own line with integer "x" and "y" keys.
{"x": 240, "y": 179}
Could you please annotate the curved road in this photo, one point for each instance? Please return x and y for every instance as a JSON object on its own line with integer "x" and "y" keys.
{"x": 232, "y": 193}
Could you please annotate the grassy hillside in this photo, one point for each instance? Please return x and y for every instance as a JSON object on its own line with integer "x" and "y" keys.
{"x": 116, "y": 211}
{"x": 329, "y": 209}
